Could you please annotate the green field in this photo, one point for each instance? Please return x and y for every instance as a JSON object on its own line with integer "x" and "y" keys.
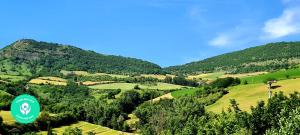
{"x": 13, "y": 78}
{"x": 184, "y": 92}
{"x": 279, "y": 75}
{"x": 249, "y": 95}
{"x": 88, "y": 127}
{"x": 130, "y": 86}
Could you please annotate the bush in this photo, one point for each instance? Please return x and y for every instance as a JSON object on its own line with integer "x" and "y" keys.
{"x": 136, "y": 87}
{"x": 225, "y": 82}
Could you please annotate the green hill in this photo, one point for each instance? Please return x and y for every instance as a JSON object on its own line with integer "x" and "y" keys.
{"x": 261, "y": 58}
{"x": 27, "y": 57}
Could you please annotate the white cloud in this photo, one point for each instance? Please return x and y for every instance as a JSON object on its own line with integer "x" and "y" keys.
{"x": 237, "y": 36}
{"x": 286, "y": 24}
{"x": 220, "y": 41}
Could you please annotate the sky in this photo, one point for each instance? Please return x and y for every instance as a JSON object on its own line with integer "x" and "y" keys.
{"x": 165, "y": 32}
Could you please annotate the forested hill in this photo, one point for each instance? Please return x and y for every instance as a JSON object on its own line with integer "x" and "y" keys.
{"x": 29, "y": 57}
{"x": 261, "y": 58}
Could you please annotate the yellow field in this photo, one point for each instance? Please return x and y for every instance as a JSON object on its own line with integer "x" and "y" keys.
{"x": 249, "y": 95}
{"x": 242, "y": 75}
{"x": 7, "y": 117}
{"x": 208, "y": 76}
{"x": 90, "y": 83}
{"x": 213, "y": 76}
{"x": 159, "y": 77}
{"x": 88, "y": 127}
{"x": 166, "y": 96}
{"x": 49, "y": 80}
{"x": 53, "y": 78}
{"x": 84, "y": 73}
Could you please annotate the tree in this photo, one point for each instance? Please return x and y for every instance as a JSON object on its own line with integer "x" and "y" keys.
{"x": 129, "y": 100}
{"x": 234, "y": 105}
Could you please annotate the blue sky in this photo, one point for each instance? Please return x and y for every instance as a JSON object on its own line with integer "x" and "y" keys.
{"x": 166, "y": 32}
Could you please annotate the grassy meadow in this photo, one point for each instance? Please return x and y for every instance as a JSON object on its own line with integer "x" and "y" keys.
{"x": 84, "y": 73}
{"x": 88, "y": 127}
{"x": 279, "y": 75}
{"x": 49, "y": 80}
{"x": 12, "y": 78}
{"x": 184, "y": 92}
{"x": 207, "y": 76}
{"x": 249, "y": 95}
{"x": 130, "y": 86}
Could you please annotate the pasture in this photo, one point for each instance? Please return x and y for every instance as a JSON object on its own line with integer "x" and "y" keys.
{"x": 88, "y": 127}
{"x": 207, "y": 76}
{"x": 249, "y": 95}
{"x": 12, "y": 78}
{"x": 184, "y": 92}
{"x": 159, "y": 77}
{"x": 130, "y": 86}
{"x": 49, "y": 80}
{"x": 279, "y": 75}
{"x": 84, "y": 73}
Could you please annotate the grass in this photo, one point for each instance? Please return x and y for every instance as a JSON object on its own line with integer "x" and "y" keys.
{"x": 84, "y": 73}
{"x": 214, "y": 76}
{"x": 243, "y": 75}
{"x": 249, "y": 95}
{"x": 12, "y": 78}
{"x": 88, "y": 127}
{"x": 279, "y": 75}
{"x": 165, "y": 96}
{"x": 7, "y": 117}
{"x": 159, "y": 77}
{"x": 208, "y": 76}
{"x": 130, "y": 86}
{"x": 184, "y": 92}
{"x": 49, "y": 80}
{"x": 90, "y": 83}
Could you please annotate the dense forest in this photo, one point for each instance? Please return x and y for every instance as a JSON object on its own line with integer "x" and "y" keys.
{"x": 261, "y": 58}
{"x": 31, "y": 57}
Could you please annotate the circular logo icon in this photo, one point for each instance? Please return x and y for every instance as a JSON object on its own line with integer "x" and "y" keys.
{"x": 25, "y": 108}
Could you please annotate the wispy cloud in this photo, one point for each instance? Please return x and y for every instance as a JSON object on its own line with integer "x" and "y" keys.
{"x": 221, "y": 40}
{"x": 288, "y": 23}
{"x": 237, "y": 36}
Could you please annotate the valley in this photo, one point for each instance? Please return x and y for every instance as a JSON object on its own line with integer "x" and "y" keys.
{"x": 84, "y": 92}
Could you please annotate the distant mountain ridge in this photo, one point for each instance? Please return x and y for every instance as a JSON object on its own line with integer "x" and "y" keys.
{"x": 29, "y": 57}
{"x": 267, "y": 57}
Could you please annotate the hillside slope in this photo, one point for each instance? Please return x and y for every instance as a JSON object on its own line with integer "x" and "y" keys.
{"x": 29, "y": 56}
{"x": 261, "y": 58}
{"x": 248, "y": 95}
